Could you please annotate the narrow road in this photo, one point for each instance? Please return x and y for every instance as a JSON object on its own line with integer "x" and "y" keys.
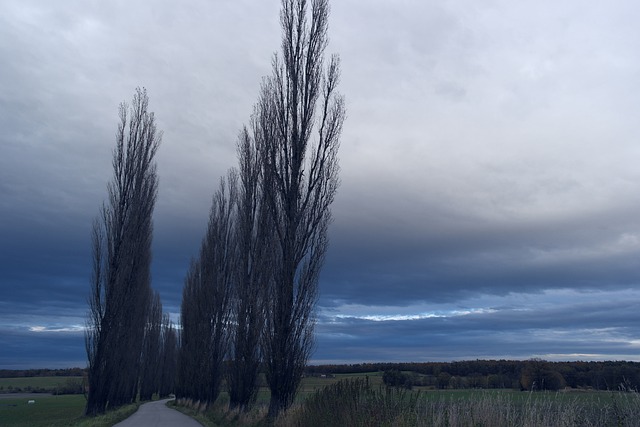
{"x": 157, "y": 414}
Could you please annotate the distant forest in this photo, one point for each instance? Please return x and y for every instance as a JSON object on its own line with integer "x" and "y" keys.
{"x": 534, "y": 374}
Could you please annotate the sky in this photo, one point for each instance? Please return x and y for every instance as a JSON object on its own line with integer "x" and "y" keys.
{"x": 489, "y": 204}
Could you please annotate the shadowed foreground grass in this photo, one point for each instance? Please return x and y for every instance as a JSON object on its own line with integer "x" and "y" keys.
{"x": 56, "y": 411}
{"x": 357, "y": 402}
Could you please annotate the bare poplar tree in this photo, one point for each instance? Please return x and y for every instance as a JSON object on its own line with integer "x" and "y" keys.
{"x": 252, "y": 272}
{"x": 151, "y": 350}
{"x": 206, "y": 303}
{"x": 193, "y": 354}
{"x": 169, "y": 358}
{"x": 298, "y": 122}
{"x": 120, "y": 286}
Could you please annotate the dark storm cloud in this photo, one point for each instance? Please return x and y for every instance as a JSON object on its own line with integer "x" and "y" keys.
{"x": 397, "y": 263}
{"x": 572, "y": 331}
{"x": 24, "y": 350}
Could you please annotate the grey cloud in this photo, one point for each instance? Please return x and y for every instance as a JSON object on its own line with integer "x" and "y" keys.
{"x": 489, "y": 152}
{"x": 564, "y": 330}
{"x": 398, "y": 265}
{"x": 24, "y": 350}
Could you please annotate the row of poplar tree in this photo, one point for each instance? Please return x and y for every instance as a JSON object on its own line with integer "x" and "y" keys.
{"x": 132, "y": 347}
{"x": 250, "y": 293}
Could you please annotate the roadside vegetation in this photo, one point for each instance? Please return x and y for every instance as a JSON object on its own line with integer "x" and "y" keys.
{"x": 356, "y": 402}
{"x": 362, "y": 399}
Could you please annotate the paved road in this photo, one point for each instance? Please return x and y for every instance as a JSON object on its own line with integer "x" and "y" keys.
{"x": 157, "y": 414}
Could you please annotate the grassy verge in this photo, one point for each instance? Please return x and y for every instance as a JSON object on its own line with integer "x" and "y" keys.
{"x": 219, "y": 415}
{"x": 204, "y": 418}
{"x": 108, "y": 419}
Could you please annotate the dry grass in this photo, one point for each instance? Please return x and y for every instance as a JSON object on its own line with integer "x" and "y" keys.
{"x": 361, "y": 401}
{"x": 357, "y": 403}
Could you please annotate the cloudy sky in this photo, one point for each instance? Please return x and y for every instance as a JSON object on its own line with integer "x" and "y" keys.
{"x": 490, "y": 197}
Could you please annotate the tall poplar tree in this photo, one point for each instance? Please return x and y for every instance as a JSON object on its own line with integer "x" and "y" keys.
{"x": 298, "y": 122}
{"x": 120, "y": 285}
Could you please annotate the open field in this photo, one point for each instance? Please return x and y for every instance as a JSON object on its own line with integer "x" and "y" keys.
{"x": 47, "y": 411}
{"x": 356, "y": 403}
{"x": 55, "y": 411}
{"x": 416, "y": 408}
{"x": 311, "y": 384}
{"x": 373, "y": 404}
{"x": 28, "y": 396}
{"x": 40, "y": 384}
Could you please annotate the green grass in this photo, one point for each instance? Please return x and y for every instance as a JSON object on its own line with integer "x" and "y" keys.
{"x": 26, "y": 384}
{"x": 47, "y": 411}
{"x": 108, "y": 419}
{"x": 56, "y": 411}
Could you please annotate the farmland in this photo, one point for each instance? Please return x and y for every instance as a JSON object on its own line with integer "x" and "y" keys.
{"x": 362, "y": 399}
{"x": 50, "y": 384}
{"x": 358, "y": 399}
{"x": 356, "y": 402}
{"x": 54, "y": 411}
{"x": 46, "y": 411}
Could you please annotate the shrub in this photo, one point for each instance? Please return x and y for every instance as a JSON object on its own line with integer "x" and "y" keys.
{"x": 70, "y": 386}
{"x": 395, "y": 378}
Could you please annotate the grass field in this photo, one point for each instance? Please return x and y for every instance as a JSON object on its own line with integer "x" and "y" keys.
{"x": 429, "y": 407}
{"x": 358, "y": 403}
{"x": 56, "y": 411}
{"x": 47, "y": 411}
{"x": 424, "y": 407}
{"x": 27, "y": 384}
{"x": 311, "y": 384}
{"x": 518, "y": 398}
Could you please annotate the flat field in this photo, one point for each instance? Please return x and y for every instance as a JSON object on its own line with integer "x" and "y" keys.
{"x": 26, "y": 384}
{"x": 357, "y": 403}
{"x": 55, "y": 411}
{"x": 67, "y": 410}
{"x": 46, "y": 411}
{"x": 311, "y": 384}
{"x": 432, "y": 407}
{"x": 520, "y": 398}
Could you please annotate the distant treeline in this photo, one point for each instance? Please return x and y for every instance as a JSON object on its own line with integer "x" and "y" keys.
{"x": 524, "y": 374}
{"x": 70, "y": 372}
{"x": 533, "y": 374}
